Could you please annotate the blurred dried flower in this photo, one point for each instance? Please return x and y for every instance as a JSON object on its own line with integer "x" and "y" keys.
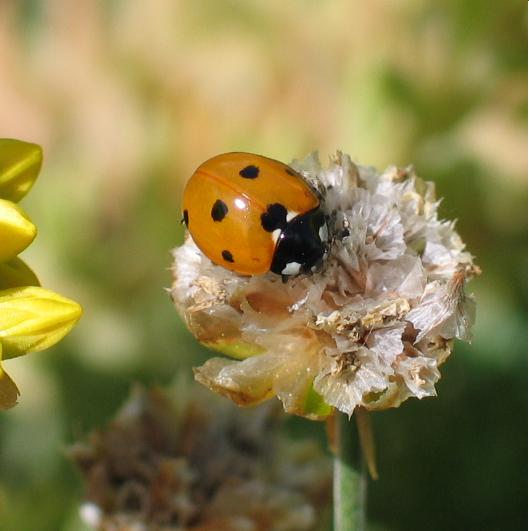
{"x": 31, "y": 318}
{"x": 181, "y": 461}
{"x": 371, "y": 329}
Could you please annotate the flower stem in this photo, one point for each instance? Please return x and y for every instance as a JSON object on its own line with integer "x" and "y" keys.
{"x": 349, "y": 477}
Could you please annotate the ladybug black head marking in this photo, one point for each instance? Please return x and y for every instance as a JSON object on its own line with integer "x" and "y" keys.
{"x": 302, "y": 244}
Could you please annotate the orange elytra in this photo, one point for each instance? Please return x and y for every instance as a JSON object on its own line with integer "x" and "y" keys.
{"x": 252, "y": 214}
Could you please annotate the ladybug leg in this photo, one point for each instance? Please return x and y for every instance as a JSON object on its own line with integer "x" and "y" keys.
{"x": 185, "y": 218}
{"x": 284, "y": 278}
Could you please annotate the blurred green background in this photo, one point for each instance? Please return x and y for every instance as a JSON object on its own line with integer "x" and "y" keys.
{"x": 128, "y": 97}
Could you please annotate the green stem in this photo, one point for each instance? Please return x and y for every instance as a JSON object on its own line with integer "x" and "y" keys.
{"x": 349, "y": 477}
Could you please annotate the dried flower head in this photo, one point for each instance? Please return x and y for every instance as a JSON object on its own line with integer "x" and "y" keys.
{"x": 31, "y": 318}
{"x": 370, "y": 329}
{"x": 181, "y": 461}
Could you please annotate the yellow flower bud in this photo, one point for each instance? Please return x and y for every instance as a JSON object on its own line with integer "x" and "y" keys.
{"x": 16, "y": 273}
{"x": 8, "y": 390}
{"x": 32, "y": 319}
{"x": 16, "y": 230}
{"x": 20, "y": 164}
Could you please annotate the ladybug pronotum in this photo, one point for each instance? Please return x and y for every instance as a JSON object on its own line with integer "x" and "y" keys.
{"x": 252, "y": 214}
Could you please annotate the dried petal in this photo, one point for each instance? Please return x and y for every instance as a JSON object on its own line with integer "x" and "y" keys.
{"x": 178, "y": 460}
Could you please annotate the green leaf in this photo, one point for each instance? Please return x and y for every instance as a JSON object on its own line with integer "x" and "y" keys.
{"x": 239, "y": 350}
{"x": 315, "y": 406}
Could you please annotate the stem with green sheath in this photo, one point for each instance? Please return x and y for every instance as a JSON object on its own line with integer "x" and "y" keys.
{"x": 349, "y": 477}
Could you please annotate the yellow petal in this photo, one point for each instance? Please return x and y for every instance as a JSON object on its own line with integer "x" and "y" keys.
{"x": 32, "y": 319}
{"x": 16, "y": 273}
{"x": 9, "y": 392}
{"x": 16, "y": 230}
{"x": 20, "y": 164}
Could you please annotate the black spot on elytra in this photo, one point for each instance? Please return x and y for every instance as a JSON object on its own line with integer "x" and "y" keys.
{"x": 185, "y": 219}
{"x": 227, "y": 256}
{"x": 250, "y": 172}
{"x": 274, "y": 218}
{"x": 219, "y": 210}
{"x": 290, "y": 172}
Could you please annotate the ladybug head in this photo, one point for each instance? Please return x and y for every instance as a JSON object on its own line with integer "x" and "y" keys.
{"x": 302, "y": 244}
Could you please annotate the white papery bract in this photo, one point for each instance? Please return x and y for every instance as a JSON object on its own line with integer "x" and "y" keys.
{"x": 370, "y": 329}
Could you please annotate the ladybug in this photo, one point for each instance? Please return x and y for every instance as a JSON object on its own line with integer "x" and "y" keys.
{"x": 252, "y": 214}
